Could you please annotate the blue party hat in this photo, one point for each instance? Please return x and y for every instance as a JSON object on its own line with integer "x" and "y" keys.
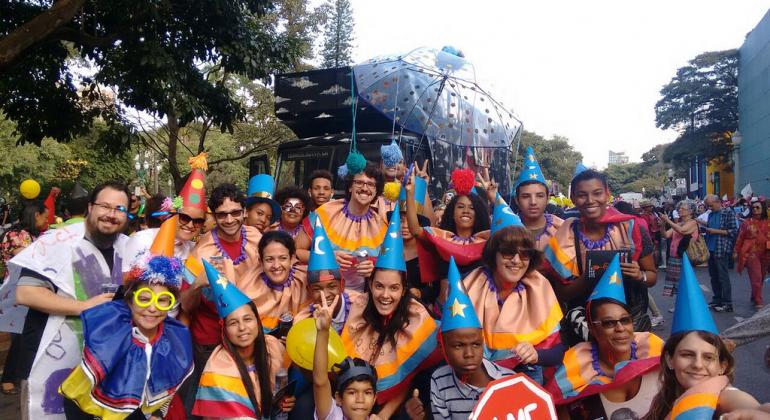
{"x": 579, "y": 168}
{"x": 226, "y": 295}
{"x": 262, "y": 190}
{"x": 458, "y": 311}
{"x": 503, "y": 216}
{"x": 530, "y": 170}
{"x": 690, "y": 310}
{"x": 392, "y": 250}
{"x": 610, "y": 286}
{"x": 322, "y": 253}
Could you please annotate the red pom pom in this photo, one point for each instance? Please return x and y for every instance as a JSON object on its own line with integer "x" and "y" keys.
{"x": 463, "y": 181}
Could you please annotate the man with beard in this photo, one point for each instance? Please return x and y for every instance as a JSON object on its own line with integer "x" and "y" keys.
{"x": 231, "y": 247}
{"x": 63, "y": 273}
{"x": 354, "y": 225}
{"x": 531, "y": 198}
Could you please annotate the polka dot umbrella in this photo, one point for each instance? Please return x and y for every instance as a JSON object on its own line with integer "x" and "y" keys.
{"x": 434, "y": 93}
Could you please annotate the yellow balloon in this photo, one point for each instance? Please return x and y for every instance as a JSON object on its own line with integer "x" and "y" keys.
{"x": 29, "y": 189}
{"x": 300, "y": 343}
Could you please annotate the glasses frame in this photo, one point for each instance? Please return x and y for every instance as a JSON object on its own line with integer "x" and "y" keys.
{"x": 154, "y": 299}
{"x": 116, "y": 209}
{"x": 222, "y": 215}
{"x": 609, "y": 324}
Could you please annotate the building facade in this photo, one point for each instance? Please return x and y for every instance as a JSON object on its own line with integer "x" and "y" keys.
{"x": 752, "y": 155}
{"x": 617, "y": 158}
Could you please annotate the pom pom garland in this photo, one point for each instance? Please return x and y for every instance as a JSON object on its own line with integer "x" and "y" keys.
{"x": 391, "y": 154}
{"x": 392, "y": 191}
{"x": 356, "y": 162}
{"x": 463, "y": 181}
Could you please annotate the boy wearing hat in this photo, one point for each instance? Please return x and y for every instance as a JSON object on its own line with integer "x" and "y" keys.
{"x": 532, "y": 198}
{"x": 455, "y": 388}
{"x": 324, "y": 283}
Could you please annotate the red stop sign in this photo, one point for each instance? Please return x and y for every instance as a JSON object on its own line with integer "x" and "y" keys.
{"x": 514, "y": 398}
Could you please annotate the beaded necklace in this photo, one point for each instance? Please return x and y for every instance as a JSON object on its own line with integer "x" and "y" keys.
{"x": 493, "y": 287}
{"x": 591, "y": 244}
{"x": 354, "y": 217}
{"x": 218, "y": 244}
{"x": 292, "y": 232}
{"x": 595, "y": 357}
{"x": 548, "y": 224}
{"x": 278, "y": 287}
{"x": 463, "y": 240}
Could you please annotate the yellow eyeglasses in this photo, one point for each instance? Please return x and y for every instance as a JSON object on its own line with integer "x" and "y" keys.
{"x": 145, "y": 297}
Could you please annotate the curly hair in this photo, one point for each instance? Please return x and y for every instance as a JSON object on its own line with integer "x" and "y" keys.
{"x": 223, "y": 191}
{"x": 671, "y": 389}
{"x": 372, "y": 171}
{"x": 294, "y": 192}
{"x": 481, "y": 218}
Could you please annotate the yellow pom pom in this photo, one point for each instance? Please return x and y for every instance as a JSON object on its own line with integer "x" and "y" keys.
{"x": 392, "y": 190}
{"x": 199, "y": 161}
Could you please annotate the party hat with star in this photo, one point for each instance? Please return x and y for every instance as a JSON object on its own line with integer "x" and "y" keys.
{"x": 226, "y": 295}
{"x": 610, "y": 286}
{"x": 690, "y": 310}
{"x": 530, "y": 170}
{"x": 503, "y": 216}
{"x": 458, "y": 311}
{"x": 321, "y": 253}
{"x": 392, "y": 250}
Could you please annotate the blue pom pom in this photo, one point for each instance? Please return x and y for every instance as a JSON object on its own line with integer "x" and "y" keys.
{"x": 163, "y": 270}
{"x": 356, "y": 162}
{"x": 391, "y": 154}
{"x": 342, "y": 171}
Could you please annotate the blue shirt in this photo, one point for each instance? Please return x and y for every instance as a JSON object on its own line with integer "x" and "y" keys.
{"x": 715, "y": 220}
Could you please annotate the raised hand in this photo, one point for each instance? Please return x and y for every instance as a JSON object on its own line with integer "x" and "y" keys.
{"x": 323, "y": 315}
{"x": 422, "y": 172}
{"x": 414, "y": 408}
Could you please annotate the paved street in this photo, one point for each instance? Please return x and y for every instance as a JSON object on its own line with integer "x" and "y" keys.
{"x": 751, "y": 375}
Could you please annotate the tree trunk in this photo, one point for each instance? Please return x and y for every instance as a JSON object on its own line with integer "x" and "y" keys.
{"x": 173, "y": 139}
{"x": 37, "y": 30}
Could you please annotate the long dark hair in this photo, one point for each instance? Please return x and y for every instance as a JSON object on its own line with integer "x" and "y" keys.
{"x": 27, "y": 220}
{"x": 387, "y": 331}
{"x": 261, "y": 361}
{"x": 670, "y": 389}
{"x": 480, "y": 218}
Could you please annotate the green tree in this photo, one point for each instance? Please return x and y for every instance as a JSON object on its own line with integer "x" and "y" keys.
{"x": 337, "y": 48}
{"x": 556, "y": 156}
{"x": 701, "y": 103}
{"x": 157, "y": 54}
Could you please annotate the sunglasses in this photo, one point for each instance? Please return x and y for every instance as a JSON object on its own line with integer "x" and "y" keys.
{"x": 609, "y": 324}
{"x": 525, "y": 254}
{"x": 222, "y": 215}
{"x": 196, "y": 221}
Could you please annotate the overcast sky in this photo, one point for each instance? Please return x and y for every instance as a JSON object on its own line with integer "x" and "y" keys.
{"x": 588, "y": 70}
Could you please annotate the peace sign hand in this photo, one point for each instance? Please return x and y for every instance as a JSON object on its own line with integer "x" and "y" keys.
{"x": 489, "y": 185}
{"x": 323, "y": 315}
{"x": 422, "y": 172}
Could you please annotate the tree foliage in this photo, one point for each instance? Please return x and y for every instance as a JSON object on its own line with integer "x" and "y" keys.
{"x": 556, "y": 156}
{"x": 337, "y": 48}
{"x": 152, "y": 52}
{"x": 701, "y": 103}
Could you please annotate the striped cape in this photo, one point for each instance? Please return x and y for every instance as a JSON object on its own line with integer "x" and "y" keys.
{"x": 221, "y": 392}
{"x": 531, "y": 314}
{"x": 351, "y": 235}
{"x": 700, "y": 401}
{"x": 416, "y": 347}
{"x": 111, "y": 382}
{"x": 273, "y": 301}
{"x": 578, "y": 378}
{"x": 437, "y": 245}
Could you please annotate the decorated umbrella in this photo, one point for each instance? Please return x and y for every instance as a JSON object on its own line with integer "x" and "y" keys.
{"x": 434, "y": 93}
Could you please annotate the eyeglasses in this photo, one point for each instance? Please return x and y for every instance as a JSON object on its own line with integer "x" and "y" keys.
{"x": 145, "y": 297}
{"x": 609, "y": 324}
{"x": 368, "y": 184}
{"x": 222, "y": 215}
{"x": 120, "y": 210}
{"x": 196, "y": 221}
{"x": 525, "y": 254}
{"x": 756, "y": 207}
{"x": 293, "y": 207}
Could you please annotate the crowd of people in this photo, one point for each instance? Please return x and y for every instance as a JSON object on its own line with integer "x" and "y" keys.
{"x": 152, "y": 307}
